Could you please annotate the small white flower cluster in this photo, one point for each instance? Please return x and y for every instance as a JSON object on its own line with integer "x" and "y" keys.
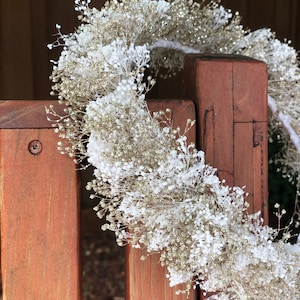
{"x": 156, "y": 190}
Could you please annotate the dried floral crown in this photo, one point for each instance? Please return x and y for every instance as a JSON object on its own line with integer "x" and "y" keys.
{"x": 147, "y": 176}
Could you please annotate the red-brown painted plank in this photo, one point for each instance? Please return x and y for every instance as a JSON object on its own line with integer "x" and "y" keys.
{"x": 250, "y": 83}
{"x": 243, "y": 159}
{"x": 250, "y": 88}
{"x": 39, "y": 218}
{"x": 216, "y": 107}
{"x": 230, "y": 93}
{"x": 231, "y": 99}
{"x": 146, "y": 279}
{"x": 260, "y": 174}
{"x": 255, "y": 166}
{"x": 181, "y": 110}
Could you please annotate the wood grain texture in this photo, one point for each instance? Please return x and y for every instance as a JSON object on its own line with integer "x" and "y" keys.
{"x": 39, "y": 218}
{"x": 230, "y": 94}
{"x": 231, "y": 100}
{"x": 147, "y": 279}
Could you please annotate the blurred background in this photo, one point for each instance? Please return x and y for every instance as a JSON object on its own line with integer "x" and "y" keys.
{"x": 27, "y": 26}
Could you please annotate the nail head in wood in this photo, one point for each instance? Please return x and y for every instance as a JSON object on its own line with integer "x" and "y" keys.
{"x": 35, "y": 147}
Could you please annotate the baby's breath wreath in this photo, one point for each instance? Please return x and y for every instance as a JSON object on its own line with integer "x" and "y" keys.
{"x": 155, "y": 190}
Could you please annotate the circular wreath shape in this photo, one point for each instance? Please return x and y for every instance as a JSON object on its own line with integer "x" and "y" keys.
{"x": 155, "y": 189}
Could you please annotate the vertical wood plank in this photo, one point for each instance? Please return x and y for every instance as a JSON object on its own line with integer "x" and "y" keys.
{"x": 260, "y": 175}
{"x": 243, "y": 160}
{"x": 217, "y": 102}
{"x": 232, "y": 114}
{"x": 39, "y": 218}
{"x": 251, "y": 120}
{"x": 231, "y": 99}
{"x": 250, "y": 88}
{"x": 254, "y": 166}
{"x": 146, "y": 279}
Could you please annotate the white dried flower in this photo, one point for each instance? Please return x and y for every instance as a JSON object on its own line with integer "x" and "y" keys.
{"x": 157, "y": 191}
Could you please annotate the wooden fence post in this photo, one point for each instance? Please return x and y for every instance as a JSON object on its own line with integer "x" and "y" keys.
{"x": 230, "y": 93}
{"x": 147, "y": 279}
{"x": 40, "y": 251}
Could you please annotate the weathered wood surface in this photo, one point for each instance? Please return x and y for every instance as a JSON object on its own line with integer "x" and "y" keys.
{"x": 40, "y": 251}
{"x": 232, "y": 114}
{"x": 232, "y": 120}
{"x": 147, "y": 279}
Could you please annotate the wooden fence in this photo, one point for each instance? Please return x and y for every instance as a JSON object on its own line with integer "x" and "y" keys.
{"x": 40, "y": 244}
